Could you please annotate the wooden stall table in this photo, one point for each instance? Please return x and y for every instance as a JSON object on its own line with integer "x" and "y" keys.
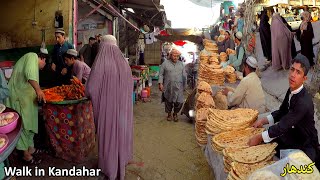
{"x": 70, "y": 127}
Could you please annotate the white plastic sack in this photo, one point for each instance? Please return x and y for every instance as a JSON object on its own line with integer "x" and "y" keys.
{"x": 295, "y": 165}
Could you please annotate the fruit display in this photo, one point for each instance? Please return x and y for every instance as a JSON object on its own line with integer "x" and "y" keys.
{"x": 73, "y": 91}
{"x": 6, "y": 118}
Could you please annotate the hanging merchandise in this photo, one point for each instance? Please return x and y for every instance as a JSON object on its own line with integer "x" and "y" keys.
{"x": 180, "y": 43}
{"x": 58, "y": 20}
{"x": 149, "y": 38}
{"x": 164, "y": 33}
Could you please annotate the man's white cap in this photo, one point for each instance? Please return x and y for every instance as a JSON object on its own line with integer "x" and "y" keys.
{"x": 251, "y": 61}
{"x": 44, "y": 51}
{"x": 60, "y": 30}
{"x": 239, "y": 35}
{"x": 72, "y": 52}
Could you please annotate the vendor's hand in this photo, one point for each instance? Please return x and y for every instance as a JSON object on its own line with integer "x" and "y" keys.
{"x": 225, "y": 91}
{"x": 64, "y": 71}
{"x": 259, "y": 123}
{"x": 161, "y": 87}
{"x": 41, "y": 96}
{"x": 224, "y": 64}
{"x": 53, "y": 67}
{"x": 255, "y": 140}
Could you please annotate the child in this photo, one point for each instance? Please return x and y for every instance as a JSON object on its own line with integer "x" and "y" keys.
{"x": 79, "y": 69}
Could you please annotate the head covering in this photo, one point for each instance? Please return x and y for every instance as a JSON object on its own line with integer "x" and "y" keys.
{"x": 109, "y": 39}
{"x": 113, "y": 115}
{"x": 303, "y": 60}
{"x": 238, "y": 35}
{"x": 174, "y": 50}
{"x": 306, "y": 18}
{"x": 44, "y": 51}
{"x": 60, "y": 30}
{"x": 252, "y": 62}
{"x": 72, "y": 52}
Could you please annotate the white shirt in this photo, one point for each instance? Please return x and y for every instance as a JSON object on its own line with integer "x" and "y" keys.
{"x": 265, "y": 135}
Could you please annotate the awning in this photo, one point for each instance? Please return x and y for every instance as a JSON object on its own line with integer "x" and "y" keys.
{"x": 148, "y": 12}
{"x": 173, "y": 38}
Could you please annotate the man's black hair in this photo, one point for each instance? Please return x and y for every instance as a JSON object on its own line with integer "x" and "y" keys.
{"x": 228, "y": 32}
{"x": 42, "y": 55}
{"x": 250, "y": 68}
{"x": 236, "y": 37}
{"x": 303, "y": 61}
{"x": 92, "y": 38}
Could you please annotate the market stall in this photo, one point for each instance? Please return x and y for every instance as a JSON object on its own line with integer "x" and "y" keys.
{"x": 70, "y": 126}
{"x": 69, "y": 121}
{"x": 141, "y": 75}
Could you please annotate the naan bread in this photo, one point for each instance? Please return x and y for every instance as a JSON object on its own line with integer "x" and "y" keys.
{"x": 202, "y": 114}
{"x": 254, "y": 154}
{"x": 204, "y": 87}
{"x": 243, "y": 170}
{"x": 206, "y": 100}
{"x": 220, "y": 101}
{"x": 235, "y": 139}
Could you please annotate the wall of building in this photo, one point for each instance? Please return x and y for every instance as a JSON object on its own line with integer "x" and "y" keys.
{"x": 17, "y": 17}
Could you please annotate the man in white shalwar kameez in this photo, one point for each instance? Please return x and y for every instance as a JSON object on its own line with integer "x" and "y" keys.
{"x": 249, "y": 92}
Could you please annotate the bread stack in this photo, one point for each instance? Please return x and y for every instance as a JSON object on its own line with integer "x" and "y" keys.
{"x": 220, "y": 101}
{"x": 223, "y": 57}
{"x": 227, "y": 120}
{"x": 250, "y": 158}
{"x": 230, "y": 51}
{"x": 212, "y": 74}
{"x": 204, "y": 87}
{"x": 204, "y": 56}
{"x": 210, "y": 46}
{"x": 221, "y": 38}
{"x": 205, "y": 100}
{"x": 230, "y": 73}
{"x": 222, "y": 31}
{"x": 234, "y": 139}
{"x": 214, "y": 60}
{"x": 241, "y": 171}
{"x": 200, "y": 125}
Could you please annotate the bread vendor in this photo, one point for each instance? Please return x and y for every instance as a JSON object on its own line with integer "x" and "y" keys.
{"x": 249, "y": 92}
{"x": 237, "y": 59}
{"x": 293, "y": 125}
{"x": 79, "y": 68}
{"x": 63, "y": 73}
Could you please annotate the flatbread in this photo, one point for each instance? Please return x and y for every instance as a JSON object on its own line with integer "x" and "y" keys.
{"x": 235, "y": 139}
{"x": 206, "y": 100}
{"x": 204, "y": 87}
{"x": 220, "y": 101}
{"x": 253, "y": 154}
{"x": 244, "y": 170}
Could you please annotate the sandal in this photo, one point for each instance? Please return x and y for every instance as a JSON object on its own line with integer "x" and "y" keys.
{"x": 169, "y": 117}
{"x": 38, "y": 151}
{"x": 31, "y": 162}
{"x": 175, "y": 117}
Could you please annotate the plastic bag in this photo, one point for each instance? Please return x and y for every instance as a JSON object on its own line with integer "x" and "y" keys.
{"x": 296, "y": 166}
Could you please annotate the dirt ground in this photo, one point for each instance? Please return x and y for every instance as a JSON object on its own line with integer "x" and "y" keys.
{"x": 168, "y": 150}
